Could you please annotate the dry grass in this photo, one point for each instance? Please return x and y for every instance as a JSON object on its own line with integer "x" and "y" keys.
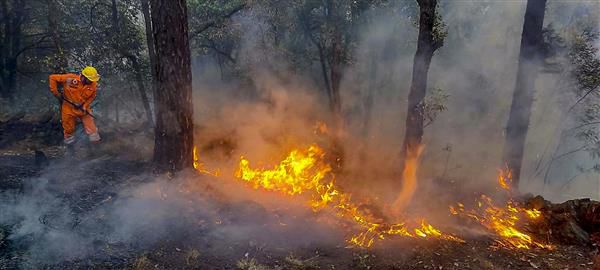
{"x": 250, "y": 264}
{"x": 142, "y": 263}
{"x": 295, "y": 263}
{"x": 192, "y": 256}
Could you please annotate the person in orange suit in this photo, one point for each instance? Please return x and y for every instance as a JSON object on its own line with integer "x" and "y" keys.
{"x": 80, "y": 90}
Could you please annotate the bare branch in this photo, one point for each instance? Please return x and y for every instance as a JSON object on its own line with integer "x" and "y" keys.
{"x": 214, "y": 22}
{"x": 583, "y": 97}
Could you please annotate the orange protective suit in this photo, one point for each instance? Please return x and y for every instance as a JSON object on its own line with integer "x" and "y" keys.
{"x": 75, "y": 91}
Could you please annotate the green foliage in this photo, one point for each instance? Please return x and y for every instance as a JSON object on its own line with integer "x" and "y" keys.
{"x": 586, "y": 61}
{"x": 433, "y": 104}
{"x": 584, "y": 58}
{"x": 440, "y": 29}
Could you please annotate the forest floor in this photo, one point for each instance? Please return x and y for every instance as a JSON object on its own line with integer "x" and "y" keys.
{"x": 68, "y": 214}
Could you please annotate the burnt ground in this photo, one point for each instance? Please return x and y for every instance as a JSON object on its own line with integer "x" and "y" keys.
{"x": 67, "y": 214}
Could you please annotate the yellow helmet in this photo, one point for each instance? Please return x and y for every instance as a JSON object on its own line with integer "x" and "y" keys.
{"x": 90, "y": 73}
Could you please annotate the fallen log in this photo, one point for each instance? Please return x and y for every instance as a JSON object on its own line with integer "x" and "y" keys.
{"x": 571, "y": 222}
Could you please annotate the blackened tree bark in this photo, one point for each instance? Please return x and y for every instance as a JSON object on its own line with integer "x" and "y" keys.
{"x": 173, "y": 141}
{"x": 530, "y": 58}
{"x": 427, "y": 44}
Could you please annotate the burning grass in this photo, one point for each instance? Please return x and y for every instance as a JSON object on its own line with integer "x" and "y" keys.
{"x": 505, "y": 221}
{"x": 305, "y": 174}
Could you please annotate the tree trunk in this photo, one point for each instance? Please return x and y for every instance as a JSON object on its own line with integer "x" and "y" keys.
{"x": 117, "y": 110}
{"x": 60, "y": 63}
{"x": 139, "y": 79}
{"x": 173, "y": 95}
{"x": 4, "y": 34}
{"x": 137, "y": 69}
{"x": 337, "y": 56}
{"x": 530, "y": 58}
{"x": 150, "y": 40}
{"x": 369, "y": 98}
{"x": 336, "y": 74}
{"x": 115, "y": 17}
{"x": 13, "y": 16}
{"x": 426, "y": 46}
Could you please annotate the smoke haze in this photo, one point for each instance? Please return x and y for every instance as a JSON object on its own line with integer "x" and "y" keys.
{"x": 278, "y": 110}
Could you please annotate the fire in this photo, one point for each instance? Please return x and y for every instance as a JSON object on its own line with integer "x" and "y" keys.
{"x": 503, "y": 221}
{"x": 306, "y": 172}
{"x": 298, "y": 173}
{"x": 198, "y": 166}
{"x": 505, "y": 179}
{"x": 409, "y": 178}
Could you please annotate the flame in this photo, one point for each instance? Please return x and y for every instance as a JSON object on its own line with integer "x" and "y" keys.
{"x": 198, "y": 166}
{"x": 533, "y": 213}
{"x": 409, "y": 178}
{"x": 306, "y": 172}
{"x": 505, "y": 179}
{"x": 503, "y": 221}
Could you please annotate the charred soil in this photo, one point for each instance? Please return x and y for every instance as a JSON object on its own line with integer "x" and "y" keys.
{"x": 70, "y": 200}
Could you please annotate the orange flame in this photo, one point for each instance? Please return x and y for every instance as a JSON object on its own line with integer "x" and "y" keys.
{"x": 306, "y": 172}
{"x": 503, "y": 221}
{"x": 409, "y": 178}
{"x": 198, "y": 166}
{"x": 505, "y": 178}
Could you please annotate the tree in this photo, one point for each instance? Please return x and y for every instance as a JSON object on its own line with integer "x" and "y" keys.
{"x": 173, "y": 141}
{"x": 149, "y": 40}
{"x": 327, "y": 29}
{"x": 59, "y": 62}
{"x": 13, "y": 14}
{"x": 127, "y": 50}
{"x": 530, "y": 59}
{"x": 429, "y": 40}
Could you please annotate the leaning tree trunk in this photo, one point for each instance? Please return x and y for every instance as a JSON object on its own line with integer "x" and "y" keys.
{"x": 173, "y": 141}
{"x": 426, "y": 46}
{"x": 530, "y": 58}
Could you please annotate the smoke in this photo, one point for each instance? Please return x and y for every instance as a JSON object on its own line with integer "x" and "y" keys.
{"x": 277, "y": 109}
{"x": 66, "y": 215}
{"x": 475, "y": 69}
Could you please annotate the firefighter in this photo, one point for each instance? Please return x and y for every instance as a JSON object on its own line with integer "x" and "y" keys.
{"x": 79, "y": 90}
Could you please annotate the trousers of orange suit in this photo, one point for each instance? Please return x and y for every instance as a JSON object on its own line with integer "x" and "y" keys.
{"x": 69, "y": 116}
